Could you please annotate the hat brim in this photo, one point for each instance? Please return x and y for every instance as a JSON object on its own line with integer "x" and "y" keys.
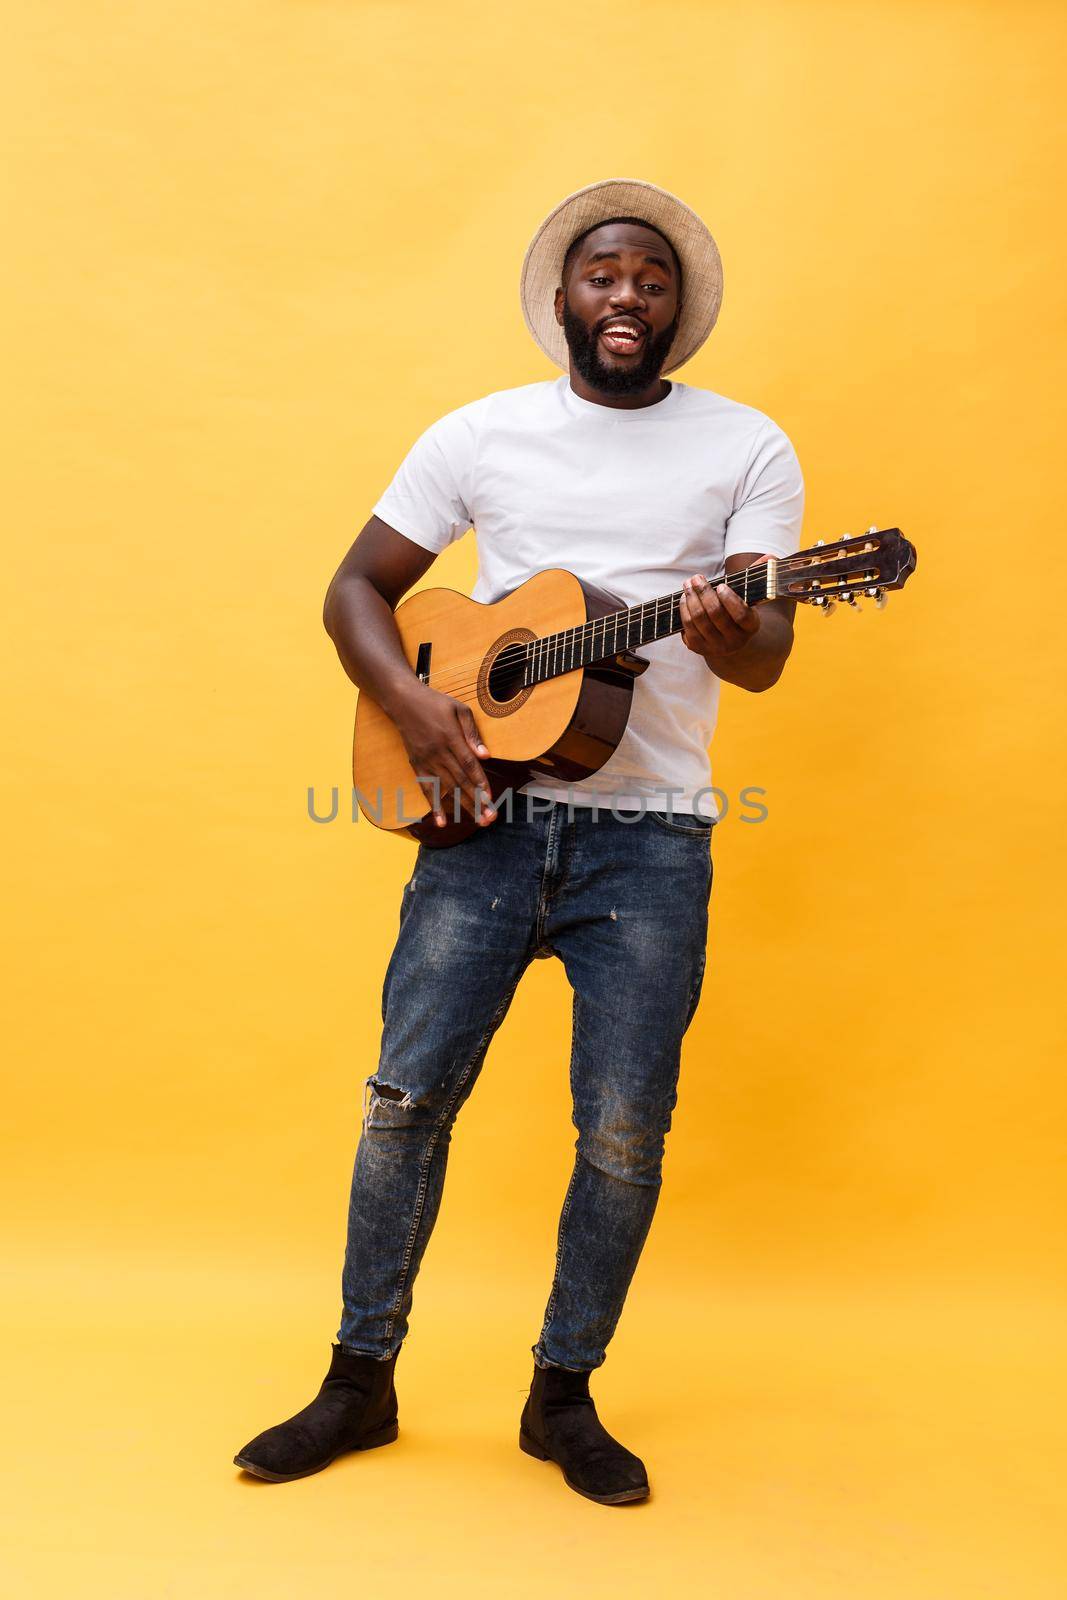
{"x": 542, "y": 267}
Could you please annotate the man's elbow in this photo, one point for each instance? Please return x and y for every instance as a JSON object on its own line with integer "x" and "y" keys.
{"x": 327, "y": 611}
{"x": 769, "y": 670}
{"x": 760, "y": 682}
{"x": 332, "y": 605}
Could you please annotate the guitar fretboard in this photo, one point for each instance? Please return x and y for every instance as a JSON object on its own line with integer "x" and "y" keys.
{"x": 642, "y": 624}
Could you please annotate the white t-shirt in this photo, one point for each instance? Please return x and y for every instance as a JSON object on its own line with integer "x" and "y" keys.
{"x": 632, "y": 500}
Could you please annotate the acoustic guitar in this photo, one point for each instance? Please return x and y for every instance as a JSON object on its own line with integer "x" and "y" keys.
{"x": 549, "y": 670}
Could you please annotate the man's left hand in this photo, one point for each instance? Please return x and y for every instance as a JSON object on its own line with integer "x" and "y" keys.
{"x": 715, "y": 621}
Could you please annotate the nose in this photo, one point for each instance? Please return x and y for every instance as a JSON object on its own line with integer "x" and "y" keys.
{"x": 626, "y": 296}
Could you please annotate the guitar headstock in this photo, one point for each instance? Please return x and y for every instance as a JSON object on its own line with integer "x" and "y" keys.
{"x": 870, "y": 564}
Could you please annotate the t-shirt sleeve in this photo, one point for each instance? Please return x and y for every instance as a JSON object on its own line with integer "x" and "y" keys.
{"x": 429, "y": 499}
{"x": 770, "y": 503}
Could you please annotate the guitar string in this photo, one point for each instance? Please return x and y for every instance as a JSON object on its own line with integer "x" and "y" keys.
{"x": 459, "y": 690}
{"x": 456, "y": 683}
{"x": 454, "y": 678}
{"x": 449, "y": 673}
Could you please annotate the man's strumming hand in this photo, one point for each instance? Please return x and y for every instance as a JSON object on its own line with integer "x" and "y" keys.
{"x": 442, "y": 741}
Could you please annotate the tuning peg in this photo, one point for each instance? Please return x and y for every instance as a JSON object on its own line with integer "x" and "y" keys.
{"x": 818, "y": 542}
{"x": 882, "y": 601}
{"x": 825, "y": 605}
{"x": 850, "y": 600}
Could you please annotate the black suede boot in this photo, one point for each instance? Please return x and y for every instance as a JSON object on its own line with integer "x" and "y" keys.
{"x": 355, "y": 1409}
{"x": 559, "y": 1423}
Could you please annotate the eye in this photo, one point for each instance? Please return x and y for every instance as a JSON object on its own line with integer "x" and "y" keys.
{"x": 600, "y": 280}
{"x": 657, "y": 286}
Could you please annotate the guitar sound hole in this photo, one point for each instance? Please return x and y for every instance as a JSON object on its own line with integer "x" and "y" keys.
{"x": 505, "y": 675}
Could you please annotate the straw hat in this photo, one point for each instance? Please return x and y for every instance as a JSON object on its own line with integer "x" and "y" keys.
{"x": 542, "y": 267}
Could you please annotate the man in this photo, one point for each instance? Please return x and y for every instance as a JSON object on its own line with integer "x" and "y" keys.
{"x": 634, "y": 483}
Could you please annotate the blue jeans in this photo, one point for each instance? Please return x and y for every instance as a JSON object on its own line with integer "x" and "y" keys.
{"x": 623, "y": 902}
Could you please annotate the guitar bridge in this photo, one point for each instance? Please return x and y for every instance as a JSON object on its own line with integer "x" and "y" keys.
{"x": 422, "y": 661}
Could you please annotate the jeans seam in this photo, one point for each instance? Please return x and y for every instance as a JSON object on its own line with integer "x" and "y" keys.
{"x": 553, "y": 1293}
{"x": 550, "y": 1309}
{"x": 431, "y": 1150}
{"x": 694, "y": 993}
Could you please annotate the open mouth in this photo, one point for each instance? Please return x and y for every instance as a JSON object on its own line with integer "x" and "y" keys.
{"x": 622, "y": 338}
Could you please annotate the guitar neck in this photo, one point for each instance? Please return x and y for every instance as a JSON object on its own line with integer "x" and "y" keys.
{"x": 639, "y": 625}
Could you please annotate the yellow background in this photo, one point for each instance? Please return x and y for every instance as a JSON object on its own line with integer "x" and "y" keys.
{"x": 254, "y": 249}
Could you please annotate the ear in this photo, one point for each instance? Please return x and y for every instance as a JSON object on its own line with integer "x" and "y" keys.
{"x": 558, "y": 304}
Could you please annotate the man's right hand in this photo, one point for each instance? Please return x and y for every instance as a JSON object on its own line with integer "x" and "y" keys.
{"x": 442, "y": 742}
{"x": 439, "y": 733}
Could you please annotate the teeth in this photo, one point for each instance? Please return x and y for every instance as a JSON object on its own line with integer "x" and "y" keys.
{"x": 625, "y": 332}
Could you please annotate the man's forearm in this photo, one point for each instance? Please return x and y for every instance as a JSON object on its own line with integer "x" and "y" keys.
{"x": 759, "y": 663}
{"x": 360, "y": 622}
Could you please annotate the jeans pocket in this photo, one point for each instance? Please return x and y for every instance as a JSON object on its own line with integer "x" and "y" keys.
{"x": 685, "y": 822}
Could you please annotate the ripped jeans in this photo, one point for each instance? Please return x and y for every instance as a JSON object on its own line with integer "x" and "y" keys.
{"x": 623, "y": 902}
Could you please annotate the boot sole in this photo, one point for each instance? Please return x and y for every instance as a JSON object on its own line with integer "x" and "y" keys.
{"x": 384, "y": 1435}
{"x": 624, "y": 1497}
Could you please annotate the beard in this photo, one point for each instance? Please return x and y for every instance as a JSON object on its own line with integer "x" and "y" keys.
{"x": 585, "y": 354}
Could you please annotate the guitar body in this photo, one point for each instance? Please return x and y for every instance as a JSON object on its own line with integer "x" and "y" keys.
{"x": 561, "y": 730}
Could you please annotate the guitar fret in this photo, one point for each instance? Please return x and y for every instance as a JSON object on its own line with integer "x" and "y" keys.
{"x": 649, "y": 620}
